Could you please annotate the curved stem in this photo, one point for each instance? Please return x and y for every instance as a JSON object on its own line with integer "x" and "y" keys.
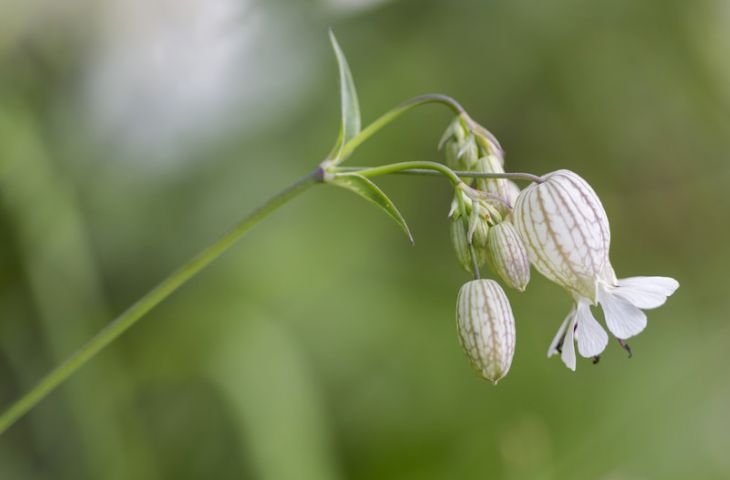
{"x": 528, "y": 177}
{"x": 134, "y": 313}
{"x": 434, "y": 168}
{"x": 391, "y": 115}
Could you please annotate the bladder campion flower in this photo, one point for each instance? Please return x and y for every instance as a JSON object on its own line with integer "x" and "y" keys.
{"x": 567, "y": 237}
{"x": 558, "y": 221}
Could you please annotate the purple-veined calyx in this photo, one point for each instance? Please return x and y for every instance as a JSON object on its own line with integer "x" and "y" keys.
{"x": 486, "y": 328}
{"x": 507, "y": 255}
{"x": 567, "y": 237}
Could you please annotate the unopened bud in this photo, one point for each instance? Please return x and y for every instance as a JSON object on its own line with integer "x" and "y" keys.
{"x": 461, "y": 148}
{"x": 478, "y": 232}
{"x": 451, "y": 153}
{"x": 507, "y": 255}
{"x": 487, "y": 142}
{"x": 455, "y": 131}
{"x": 460, "y": 241}
{"x": 486, "y": 328}
{"x": 499, "y": 187}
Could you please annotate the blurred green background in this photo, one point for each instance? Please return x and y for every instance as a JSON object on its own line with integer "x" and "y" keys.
{"x": 323, "y": 346}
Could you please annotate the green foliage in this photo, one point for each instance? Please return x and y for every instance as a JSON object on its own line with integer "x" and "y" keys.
{"x": 350, "y": 108}
{"x": 370, "y": 192}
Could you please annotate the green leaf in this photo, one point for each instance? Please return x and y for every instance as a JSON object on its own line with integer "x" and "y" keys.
{"x": 350, "y": 126}
{"x": 370, "y": 192}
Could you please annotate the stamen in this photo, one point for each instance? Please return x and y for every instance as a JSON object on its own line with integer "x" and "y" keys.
{"x": 559, "y": 346}
{"x": 626, "y": 347}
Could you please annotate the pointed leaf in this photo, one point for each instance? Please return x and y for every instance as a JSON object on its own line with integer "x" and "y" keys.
{"x": 350, "y": 126}
{"x": 370, "y": 192}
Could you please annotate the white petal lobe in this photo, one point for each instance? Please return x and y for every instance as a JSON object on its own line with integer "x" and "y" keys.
{"x": 568, "y": 353}
{"x": 624, "y": 320}
{"x": 590, "y": 335}
{"x": 553, "y": 350}
{"x": 646, "y": 292}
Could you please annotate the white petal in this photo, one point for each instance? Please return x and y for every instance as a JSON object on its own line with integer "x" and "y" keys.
{"x": 646, "y": 292}
{"x": 568, "y": 354}
{"x": 624, "y": 320}
{"x": 553, "y": 350}
{"x": 590, "y": 335}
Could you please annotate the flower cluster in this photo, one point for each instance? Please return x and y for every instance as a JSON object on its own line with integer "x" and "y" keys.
{"x": 557, "y": 225}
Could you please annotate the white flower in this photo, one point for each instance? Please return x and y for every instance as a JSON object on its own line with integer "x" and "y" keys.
{"x": 567, "y": 237}
{"x": 486, "y": 328}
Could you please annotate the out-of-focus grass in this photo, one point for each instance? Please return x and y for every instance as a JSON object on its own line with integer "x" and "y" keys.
{"x": 323, "y": 346}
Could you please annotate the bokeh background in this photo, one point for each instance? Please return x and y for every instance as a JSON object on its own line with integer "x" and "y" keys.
{"x": 323, "y": 346}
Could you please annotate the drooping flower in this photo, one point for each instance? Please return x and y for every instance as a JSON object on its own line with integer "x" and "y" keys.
{"x": 567, "y": 237}
{"x": 486, "y": 328}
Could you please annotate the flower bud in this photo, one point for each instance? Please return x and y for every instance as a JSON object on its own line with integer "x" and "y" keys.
{"x": 565, "y": 231}
{"x": 499, "y": 187}
{"x": 507, "y": 255}
{"x": 461, "y": 147}
{"x": 467, "y": 145}
{"x": 468, "y": 154}
{"x": 487, "y": 142}
{"x": 455, "y": 131}
{"x": 486, "y": 328}
{"x": 478, "y": 232}
{"x": 460, "y": 240}
{"x": 451, "y": 154}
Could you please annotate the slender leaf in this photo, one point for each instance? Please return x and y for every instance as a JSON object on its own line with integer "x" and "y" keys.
{"x": 370, "y": 192}
{"x": 350, "y": 126}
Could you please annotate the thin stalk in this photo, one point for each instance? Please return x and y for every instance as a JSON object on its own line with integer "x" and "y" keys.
{"x": 474, "y": 263}
{"x": 163, "y": 290}
{"x": 528, "y": 177}
{"x": 434, "y": 168}
{"x": 391, "y": 115}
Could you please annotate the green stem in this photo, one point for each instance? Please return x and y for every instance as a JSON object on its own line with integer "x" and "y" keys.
{"x": 433, "y": 168}
{"x": 528, "y": 177}
{"x": 391, "y": 115}
{"x": 134, "y": 313}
